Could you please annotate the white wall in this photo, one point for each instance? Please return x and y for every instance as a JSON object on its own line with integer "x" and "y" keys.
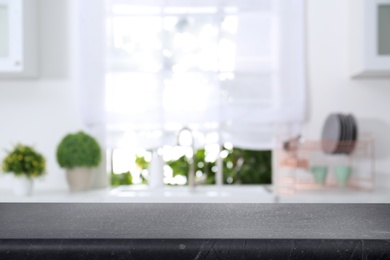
{"x": 40, "y": 111}
{"x": 331, "y": 88}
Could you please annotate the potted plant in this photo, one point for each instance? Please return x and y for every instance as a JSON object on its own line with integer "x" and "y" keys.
{"x": 79, "y": 153}
{"x": 25, "y": 163}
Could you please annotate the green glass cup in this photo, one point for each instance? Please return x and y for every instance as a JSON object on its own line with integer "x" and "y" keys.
{"x": 342, "y": 174}
{"x": 319, "y": 174}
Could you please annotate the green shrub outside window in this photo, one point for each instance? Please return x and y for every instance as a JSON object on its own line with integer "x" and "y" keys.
{"x": 240, "y": 166}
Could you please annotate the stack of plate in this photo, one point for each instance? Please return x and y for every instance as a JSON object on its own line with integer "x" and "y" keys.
{"x": 339, "y": 134}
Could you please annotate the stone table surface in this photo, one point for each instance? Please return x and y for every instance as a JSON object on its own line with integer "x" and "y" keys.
{"x": 194, "y": 231}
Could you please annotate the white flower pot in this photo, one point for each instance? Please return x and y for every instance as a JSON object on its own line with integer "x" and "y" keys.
{"x": 79, "y": 178}
{"x": 22, "y": 186}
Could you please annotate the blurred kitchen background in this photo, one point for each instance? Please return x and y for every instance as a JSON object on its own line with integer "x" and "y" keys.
{"x": 201, "y": 101}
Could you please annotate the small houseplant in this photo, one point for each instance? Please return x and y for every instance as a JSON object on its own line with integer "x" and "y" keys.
{"x": 25, "y": 163}
{"x": 79, "y": 153}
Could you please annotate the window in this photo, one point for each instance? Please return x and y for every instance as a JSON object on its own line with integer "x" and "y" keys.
{"x": 172, "y": 70}
{"x": 230, "y": 71}
{"x": 240, "y": 166}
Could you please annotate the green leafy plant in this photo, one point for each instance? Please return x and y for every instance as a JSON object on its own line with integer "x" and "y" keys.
{"x": 141, "y": 162}
{"x": 181, "y": 166}
{"x": 24, "y": 161}
{"x": 78, "y": 150}
{"x": 124, "y": 178}
{"x": 241, "y": 166}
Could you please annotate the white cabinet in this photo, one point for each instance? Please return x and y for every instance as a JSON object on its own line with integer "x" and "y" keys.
{"x": 18, "y": 47}
{"x": 370, "y": 38}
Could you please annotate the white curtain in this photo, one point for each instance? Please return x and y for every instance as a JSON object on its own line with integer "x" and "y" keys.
{"x": 243, "y": 93}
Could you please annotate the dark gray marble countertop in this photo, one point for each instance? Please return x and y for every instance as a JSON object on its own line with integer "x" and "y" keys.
{"x": 195, "y": 221}
{"x": 195, "y": 229}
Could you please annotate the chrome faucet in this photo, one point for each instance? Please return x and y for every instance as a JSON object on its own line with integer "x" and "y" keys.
{"x": 186, "y": 139}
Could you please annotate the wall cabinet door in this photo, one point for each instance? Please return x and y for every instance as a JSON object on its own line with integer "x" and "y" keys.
{"x": 370, "y": 38}
{"x": 18, "y": 50}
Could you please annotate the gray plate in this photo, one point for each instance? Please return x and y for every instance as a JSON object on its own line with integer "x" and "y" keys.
{"x": 354, "y": 128}
{"x": 348, "y": 139}
{"x": 354, "y": 132}
{"x": 344, "y": 134}
{"x": 331, "y": 134}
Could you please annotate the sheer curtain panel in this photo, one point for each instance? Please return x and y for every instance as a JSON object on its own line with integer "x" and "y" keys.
{"x": 230, "y": 70}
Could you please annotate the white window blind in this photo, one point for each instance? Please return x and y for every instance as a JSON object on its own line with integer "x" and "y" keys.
{"x": 233, "y": 71}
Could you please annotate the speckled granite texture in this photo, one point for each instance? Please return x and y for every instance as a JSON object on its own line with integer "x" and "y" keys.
{"x": 194, "y": 231}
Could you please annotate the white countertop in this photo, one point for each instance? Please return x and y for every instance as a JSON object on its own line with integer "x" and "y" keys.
{"x": 337, "y": 196}
{"x": 201, "y": 194}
